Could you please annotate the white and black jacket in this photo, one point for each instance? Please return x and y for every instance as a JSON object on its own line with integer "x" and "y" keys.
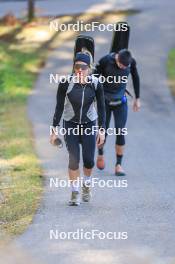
{"x": 76, "y": 102}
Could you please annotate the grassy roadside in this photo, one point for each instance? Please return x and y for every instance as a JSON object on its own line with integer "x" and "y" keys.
{"x": 171, "y": 70}
{"x": 20, "y": 173}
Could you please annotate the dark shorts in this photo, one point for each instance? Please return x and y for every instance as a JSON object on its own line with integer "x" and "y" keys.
{"x": 73, "y": 142}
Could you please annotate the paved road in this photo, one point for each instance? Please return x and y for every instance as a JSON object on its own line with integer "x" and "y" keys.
{"x": 61, "y": 7}
{"x": 145, "y": 210}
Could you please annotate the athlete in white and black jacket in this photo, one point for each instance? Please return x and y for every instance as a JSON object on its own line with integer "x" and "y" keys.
{"x": 76, "y": 102}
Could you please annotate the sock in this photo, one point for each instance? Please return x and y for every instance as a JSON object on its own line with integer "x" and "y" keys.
{"x": 119, "y": 160}
{"x": 87, "y": 180}
{"x": 75, "y": 186}
{"x": 100, "y": 151}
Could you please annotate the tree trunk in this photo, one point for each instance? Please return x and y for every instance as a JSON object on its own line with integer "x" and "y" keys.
{"x": 31, "y": 9}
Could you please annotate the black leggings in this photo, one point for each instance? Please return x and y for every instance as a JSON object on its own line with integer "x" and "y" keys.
{"x": 73, "y": 145}
{"x": 120, "y": 113}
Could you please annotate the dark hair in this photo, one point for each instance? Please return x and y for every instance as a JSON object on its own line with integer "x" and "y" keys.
{"x": 125, "y": 57}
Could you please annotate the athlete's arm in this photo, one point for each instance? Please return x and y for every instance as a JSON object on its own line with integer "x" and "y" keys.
{"x": 101, "y": 115}
{"x": 60, "y": 98}
{"x": 135, "y": 78}
{"x": 136, "y": 84}
{"x": 100, "y": 105}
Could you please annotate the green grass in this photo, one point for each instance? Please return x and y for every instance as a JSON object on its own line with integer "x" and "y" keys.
{"x": 20, "y": 172}
{"x": 171, "y": 70}
{"x": 15, "y": 79}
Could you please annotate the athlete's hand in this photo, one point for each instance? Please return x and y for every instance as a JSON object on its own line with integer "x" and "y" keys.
{"x": 100, "y": 138}
{"x": 53, "y": 137}
{"x": 136, "y": 105}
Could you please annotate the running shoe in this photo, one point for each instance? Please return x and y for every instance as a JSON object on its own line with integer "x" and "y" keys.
{"x": 119, "y": 173}
{"x": 86, "y": 193}
{"x": 100, "y": 162}
{"x": 74, "y": 201}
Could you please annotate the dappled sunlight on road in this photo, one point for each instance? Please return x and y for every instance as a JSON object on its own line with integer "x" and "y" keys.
{"x": 14, "y": 254}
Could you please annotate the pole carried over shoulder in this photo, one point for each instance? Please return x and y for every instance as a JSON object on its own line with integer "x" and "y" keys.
{"x": 120, "y": 40}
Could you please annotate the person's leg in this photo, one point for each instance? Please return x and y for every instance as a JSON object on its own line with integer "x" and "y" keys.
{"x": 120, "y": 118}
{"x": 119, "y": 149}
{"x": 100, "y": 158}
{"x": 88, "y": 151}
{"x": 72, "y": 144}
